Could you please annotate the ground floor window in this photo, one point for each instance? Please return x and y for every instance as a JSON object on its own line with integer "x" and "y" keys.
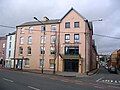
{"x": 26, "y": 62}
{"x": 51, "y": 62}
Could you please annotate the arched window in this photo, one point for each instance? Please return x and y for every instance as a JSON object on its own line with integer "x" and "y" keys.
{"x": 29, "y": 50}
{"x": 29, "y": 40}
{"x": 20, "y": 50}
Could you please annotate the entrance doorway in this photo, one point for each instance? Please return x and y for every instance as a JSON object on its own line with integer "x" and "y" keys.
{"x": 71, "y": 65}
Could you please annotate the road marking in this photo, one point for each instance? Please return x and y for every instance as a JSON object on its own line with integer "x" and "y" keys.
{"x": 7, "y": 80}
{"x": 98, "y": 87}
{"x": 99, "y": 79}
{"x": 33, "y": 88}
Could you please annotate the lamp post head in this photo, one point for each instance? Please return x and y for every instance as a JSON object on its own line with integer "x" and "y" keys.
{"x": 100, "y": 19}
{"x": 35, "y": 18}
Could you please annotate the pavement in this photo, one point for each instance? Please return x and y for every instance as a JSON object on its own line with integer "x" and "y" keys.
{"x": 65, "y": 74}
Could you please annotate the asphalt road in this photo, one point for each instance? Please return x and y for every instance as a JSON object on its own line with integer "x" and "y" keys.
{"x": 16, "y": 80}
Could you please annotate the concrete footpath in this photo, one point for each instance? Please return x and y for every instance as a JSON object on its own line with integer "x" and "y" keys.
{"x": 65, "y": 74}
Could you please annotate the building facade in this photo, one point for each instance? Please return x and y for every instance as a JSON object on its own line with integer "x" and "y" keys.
{"x": 115, "y": 59}
{"x": 66, "y": 44}
{"x": 2, "y": 50}
{"x": 10, "y": 48}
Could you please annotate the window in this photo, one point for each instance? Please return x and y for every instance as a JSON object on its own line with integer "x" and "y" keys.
{"x": 30, "y": 29}
{"x": 76, "y": 24}
{"x": 10, "y": 38}
{"x": 41, "y": 62}
{"x": 71, "y": 50}
{"x": 2, "y": 52}
{"x": 9, "y": 53}
{"x": 21, "y": 30}
{"x": 67, "y": 38}
{"x": 21, "y": 40}
{"x": 20, "y": 50}
{"x": 51, "y": 61}
{"x": 76, "y": 38}
{"x": 43, "y": 39}
{"x": 29, "y": 50}
{"x": 9, "y": 45}
{"x": 3, "y": 45}
{"x": 53, "y": 39}
{"x": 26, "y": 62}
{"x": 52, "y": 50}
{"x": 29, "y": 40}
{"x": 53, "y": 27}
{"x": 67, "y": 25}
{"x": 42, "y": 50}
{"x": 43, "y": 28}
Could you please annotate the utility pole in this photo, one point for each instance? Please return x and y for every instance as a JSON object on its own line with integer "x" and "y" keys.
{"x": 43, "y": 43}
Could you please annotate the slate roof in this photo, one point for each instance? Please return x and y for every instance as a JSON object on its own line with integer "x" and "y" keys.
{"x": 54, "y": 21}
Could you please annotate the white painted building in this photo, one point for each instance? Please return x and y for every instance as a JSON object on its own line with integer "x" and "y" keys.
{"x": 10, "y": 48}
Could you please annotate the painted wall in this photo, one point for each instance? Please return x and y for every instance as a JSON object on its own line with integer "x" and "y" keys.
{"x": 10, "y": 40}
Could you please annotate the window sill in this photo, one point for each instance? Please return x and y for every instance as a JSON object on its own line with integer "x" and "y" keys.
{"x": 27, "y": 66}
{"x": 28, "y": 54}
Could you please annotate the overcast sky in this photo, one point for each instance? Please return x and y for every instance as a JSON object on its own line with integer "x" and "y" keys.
{"x": 16, "y": 12}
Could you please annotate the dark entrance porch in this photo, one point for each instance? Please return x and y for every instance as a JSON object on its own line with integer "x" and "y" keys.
{"x": 71, "y": 65}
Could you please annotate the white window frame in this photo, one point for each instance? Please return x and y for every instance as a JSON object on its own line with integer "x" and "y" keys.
{"x": 31, "y": 29}
{"x": 53, "y": 27}
{"x": 42, "y": 49}
{"x": 30, "y": 40}
{"x": 67, "y": 38}
{"x": 76, "y": 38}
{"x": 43, "y": 39}
{"x": 53, "y": 39}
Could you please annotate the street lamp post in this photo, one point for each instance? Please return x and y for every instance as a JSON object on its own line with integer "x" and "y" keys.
{"x": 43, "y": 42}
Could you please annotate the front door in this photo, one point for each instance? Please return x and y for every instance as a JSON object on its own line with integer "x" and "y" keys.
{"x": 71, "y": 65}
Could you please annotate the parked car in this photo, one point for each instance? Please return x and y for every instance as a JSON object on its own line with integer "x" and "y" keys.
{"x": 112, "y": 69}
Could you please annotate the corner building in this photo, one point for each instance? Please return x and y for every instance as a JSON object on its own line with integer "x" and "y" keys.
{"x": 67, "y": 43}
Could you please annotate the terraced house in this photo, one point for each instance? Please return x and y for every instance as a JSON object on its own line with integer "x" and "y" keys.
{"x": 65, "y": 44}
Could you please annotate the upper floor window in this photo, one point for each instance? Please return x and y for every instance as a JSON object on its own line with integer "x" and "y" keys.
{"x": 21, "y": 40}
{"x": 67, "y": 37}
{"x": 42, "y": 50}
{"x": 53, "y": 39}
{"x": 9, "y": 45}
{"x": 3, "y": 45}
{"x": 29, "y": 40}
{"x": 53, "y": 27}
{"x": 30, "y": 29}
{"x": 43, "y": 39}
{"x": 71, "y": 50}
{"x": 52, "y": 50}
{"x": 76, "y": 37}
{"x": 20, "y": 50}
{"x": 9, "y": 53}
{"x": 43, "y": 28}
{"x": 67, "y": 24}
{"x": 21, "y": 30}
{"x": 10, "y": 38}
{"x": 29, "y": 50}
{"x": 76, "y": 24}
